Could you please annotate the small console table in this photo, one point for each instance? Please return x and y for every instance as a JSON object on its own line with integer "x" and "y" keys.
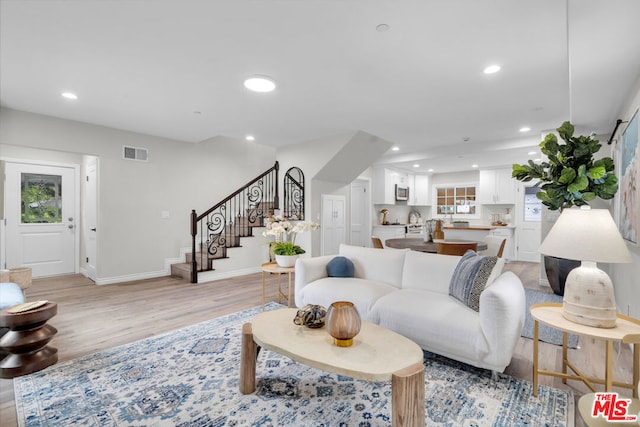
{"x": 626, "y": 331}
{"x": 26, "y": 341}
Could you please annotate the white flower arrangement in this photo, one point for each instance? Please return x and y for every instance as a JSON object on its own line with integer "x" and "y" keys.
{"x": 279, "y": 226}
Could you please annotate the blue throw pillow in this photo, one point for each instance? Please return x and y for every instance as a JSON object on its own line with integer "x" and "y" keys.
{"x": 340, "y": 267}
{"x": 10, "y": 295}
{"x": 470, "y": 278}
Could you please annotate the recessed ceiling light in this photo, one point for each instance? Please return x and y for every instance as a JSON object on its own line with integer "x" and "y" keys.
{"x": 395, "y": 149}
{"x": 250, "y": 138}
{"x": 69, "y": 95}
{"x": 474, "y": 166}
{"x": 260, "y": 84}
{"x": 525, "y": 129}
{"x": 491, "y": 69}
{"x": 415, "y": 165}
{"x": 532, "y": 153}
{"x": 430, "y": 170}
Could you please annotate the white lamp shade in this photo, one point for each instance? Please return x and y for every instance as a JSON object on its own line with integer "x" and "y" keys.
{"x": 586, "y": 234}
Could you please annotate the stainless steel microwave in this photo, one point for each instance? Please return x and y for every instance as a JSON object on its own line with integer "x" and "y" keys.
{"x": 402, "y": 193}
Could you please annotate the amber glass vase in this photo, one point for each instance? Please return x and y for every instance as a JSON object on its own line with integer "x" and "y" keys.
{"x": 343, "y": 323}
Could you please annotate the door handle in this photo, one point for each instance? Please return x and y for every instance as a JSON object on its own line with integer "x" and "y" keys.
{"x": 92, "y": 229}
{"x": 70, "y": 226}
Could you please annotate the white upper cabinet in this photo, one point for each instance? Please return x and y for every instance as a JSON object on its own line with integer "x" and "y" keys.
{"x": 384, "y": 181}
{"x": 419, "y": 190}
{"x": 384, "y": 185}
{"x": 497, "y": 187}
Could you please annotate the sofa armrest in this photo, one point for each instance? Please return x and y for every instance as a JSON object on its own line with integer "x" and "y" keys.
{"x": 502, "y": 314}
{"x": 309, "y": 270}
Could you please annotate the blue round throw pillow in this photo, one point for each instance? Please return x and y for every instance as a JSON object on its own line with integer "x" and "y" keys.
{"x": 340, "y": 267}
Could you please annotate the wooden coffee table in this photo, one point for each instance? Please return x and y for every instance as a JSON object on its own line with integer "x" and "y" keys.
{"x": 377, "y": 354}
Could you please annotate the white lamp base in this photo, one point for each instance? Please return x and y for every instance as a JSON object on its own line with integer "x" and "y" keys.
{"x": 589, "y": 298}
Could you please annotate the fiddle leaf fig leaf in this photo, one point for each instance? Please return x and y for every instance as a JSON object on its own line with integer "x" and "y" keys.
{"x": 597, "y": 172}
{"x": 581, "y": 183}
{"x": 566, "y": 131}
{"x": 588, "y": 196}
{"x": 567, "y": 176}
{"x": 606, "y": 162}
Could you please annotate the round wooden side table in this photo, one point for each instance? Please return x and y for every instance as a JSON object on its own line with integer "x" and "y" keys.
{"x": 274, "y": 268}
{"x": 26, "y": 341}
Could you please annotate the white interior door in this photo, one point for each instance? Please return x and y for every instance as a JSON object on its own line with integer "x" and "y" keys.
{"x": 333, "y": 223}
{"x": 528, "y": 217}
{"x": 90, "y": 217}
{"x": 360, "y": 214}
{"x": 41, "y": 212}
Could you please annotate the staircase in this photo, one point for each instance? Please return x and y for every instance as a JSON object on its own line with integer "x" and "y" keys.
{"x": 223, "y": 226}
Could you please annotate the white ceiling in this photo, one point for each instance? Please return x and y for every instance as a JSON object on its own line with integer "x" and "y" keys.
{"x": 175, "y": 68}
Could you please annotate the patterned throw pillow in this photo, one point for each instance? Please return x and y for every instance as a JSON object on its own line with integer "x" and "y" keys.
{"x": 340, "y": 267}
{"x": 471, "y": 277}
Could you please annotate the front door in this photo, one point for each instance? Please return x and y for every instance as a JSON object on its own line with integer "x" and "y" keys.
{"x": 40, "y": 209}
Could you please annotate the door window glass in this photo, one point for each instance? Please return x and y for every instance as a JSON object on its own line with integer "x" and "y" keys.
{"x": 532, "y": 205}
{"x": 41, "y": 198}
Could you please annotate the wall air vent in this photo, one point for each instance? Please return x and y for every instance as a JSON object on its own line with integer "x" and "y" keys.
{"x": 134, "y": 153}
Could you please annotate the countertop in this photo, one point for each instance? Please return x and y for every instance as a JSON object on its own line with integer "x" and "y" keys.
{"x": 451, "y": 227}
{"x": 477, "y": 227}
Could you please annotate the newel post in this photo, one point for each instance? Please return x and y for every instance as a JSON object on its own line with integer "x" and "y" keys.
{"x": 276, "y": 198}
{"x": 194, "y": 231}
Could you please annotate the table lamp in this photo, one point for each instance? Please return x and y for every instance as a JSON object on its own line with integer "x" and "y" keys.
{"x": 590, "y": 236}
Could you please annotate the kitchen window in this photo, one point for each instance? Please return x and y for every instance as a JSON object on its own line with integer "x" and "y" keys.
{"x": 456, "y": 201}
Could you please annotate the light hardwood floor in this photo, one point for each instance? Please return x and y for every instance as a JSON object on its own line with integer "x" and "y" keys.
{"x": 93, "y": 318}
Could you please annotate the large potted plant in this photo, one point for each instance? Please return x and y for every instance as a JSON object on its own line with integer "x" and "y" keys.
{"x": 569, "y": 177}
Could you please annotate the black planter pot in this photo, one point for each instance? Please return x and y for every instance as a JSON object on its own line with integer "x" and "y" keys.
{"x": 557, "y": 270}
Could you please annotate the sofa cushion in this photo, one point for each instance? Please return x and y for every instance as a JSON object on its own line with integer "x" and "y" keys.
{"x": 429, "y": 272}
{"x": 362, "y": 293}
{"x": 470, "y": 278}
{"x": 435, "y": 321}
{"x": 340, "y": 267}
{"x": 376, "y": 264}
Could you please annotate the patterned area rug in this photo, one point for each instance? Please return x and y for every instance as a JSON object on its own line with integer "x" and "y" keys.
{"x": 545, "y": 333}
{"x": 189, "y": 377}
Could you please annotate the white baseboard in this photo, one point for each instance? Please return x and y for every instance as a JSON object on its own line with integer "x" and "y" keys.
{"x": 210, "y": 276}
{"x": 130, "y": 277}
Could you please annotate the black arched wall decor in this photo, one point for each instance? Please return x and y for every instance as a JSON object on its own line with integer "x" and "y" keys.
{"x": 294, "y": 194}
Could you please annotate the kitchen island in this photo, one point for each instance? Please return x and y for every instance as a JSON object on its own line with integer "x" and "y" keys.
{"x": 480, "y": 231}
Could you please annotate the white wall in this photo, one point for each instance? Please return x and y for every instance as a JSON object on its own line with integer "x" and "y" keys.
{"x": 625, "y": 277}
{"x": 133, "y": 239}
{"x": 311, "y": 157}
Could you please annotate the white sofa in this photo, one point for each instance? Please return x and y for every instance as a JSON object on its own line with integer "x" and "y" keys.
{"x": 408, "y": 292}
